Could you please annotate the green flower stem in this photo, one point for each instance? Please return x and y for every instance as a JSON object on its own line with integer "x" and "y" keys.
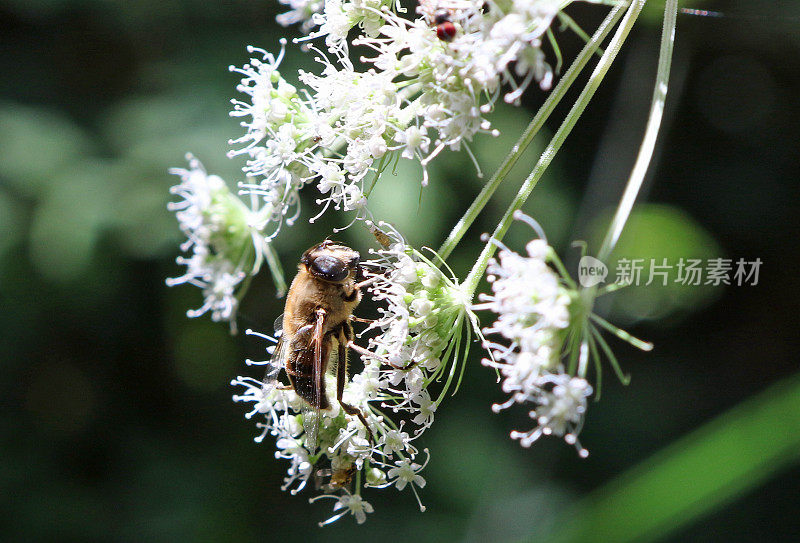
{"x": 621, "y": 334}
{"x": 561, "y": 269}
{"x": 533, "y": 128}
{"x": 471, "y": 282}
{"x": 695, "y": 476}
{"x": 569, "y": 22}
{"x": 646, "y": 149}
{"x": 275, "y": 269}
{"x": 651, "y": 132}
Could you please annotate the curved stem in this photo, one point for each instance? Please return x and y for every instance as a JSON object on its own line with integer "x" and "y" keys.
{"x": 275, "y": 269}
{"x": 533, "y": 128}
{"x": 471, "y": 282}
{"x": 651, "y": 132}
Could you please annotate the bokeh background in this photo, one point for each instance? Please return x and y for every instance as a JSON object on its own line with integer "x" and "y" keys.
{"x": 118, "y": 423}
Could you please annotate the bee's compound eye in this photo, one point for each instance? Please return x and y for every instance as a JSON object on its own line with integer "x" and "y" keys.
{"x": 329, "y": 268}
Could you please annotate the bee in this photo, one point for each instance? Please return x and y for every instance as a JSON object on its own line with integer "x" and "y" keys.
{"x": 380, "y": 236}
{"x": 338, "y": 478}
{"x": 316, "y": 327}
{"x": 341, "y": 478}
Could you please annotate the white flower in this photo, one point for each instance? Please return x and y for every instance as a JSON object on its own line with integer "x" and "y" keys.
{"x": 340, "y": 439}
{"x": 413, "y": 138}
{"x": 219, "y": 295}
{"x": 367, "y": 383}
{"x": 406, "y": 472}
{"x": 280, "y": 130}
{"x": 395, "y": 442}
{"x": 423, "y": 312}
{"x": 353, "y": 504}
{"x": 353, "y": 198}
{"x": 564, "y": 406}
{"x": 427, "y": 408}
{"x": 334, "y": 23}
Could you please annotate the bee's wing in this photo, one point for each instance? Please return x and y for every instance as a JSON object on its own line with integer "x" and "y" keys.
{"x": 278, "y": 325}
{"x": 311, "y": 413}
{"x": 276, "y": 362}
{"x": 277, "y": 359}
{"x": 320, "y": 475}
{"x": 311, "y": 420}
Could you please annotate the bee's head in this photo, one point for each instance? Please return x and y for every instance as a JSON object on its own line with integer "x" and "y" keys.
{"x": 332, "y": 262}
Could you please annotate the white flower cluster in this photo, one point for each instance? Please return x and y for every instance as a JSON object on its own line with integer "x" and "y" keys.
{"x": 280, "y": 140}
{"x": 533, "y": 313}
{"x": 426, "y": 90}
{"x": 423, "y": 312}
{"x": 341, "y": 443}
{"x": 339, "y": 450}
{"x": 420, "y": 326}
{"x": 223, "y": 235}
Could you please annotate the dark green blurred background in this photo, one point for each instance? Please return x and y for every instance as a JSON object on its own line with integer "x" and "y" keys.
{"x": 118, "y": 423}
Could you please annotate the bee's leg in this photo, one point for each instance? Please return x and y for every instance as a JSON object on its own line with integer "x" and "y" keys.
{"x": 359, "y": 319}
{"x": 368, "y": 281}
{"x": 382, "y": 359}
{"x": 319, "y": 370}
{"x": 341, "y": 377}
{"x": 302, "y": 334}
{"x": 369, "y": 354}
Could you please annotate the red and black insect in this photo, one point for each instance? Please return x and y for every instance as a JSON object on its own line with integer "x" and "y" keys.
{"x": 445, "y": 29}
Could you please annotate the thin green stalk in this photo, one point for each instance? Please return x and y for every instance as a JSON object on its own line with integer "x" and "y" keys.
{"x": 556, "y": 49}
{"x": 598, "y": 370}
{"x": 612, "y": 358}
{"x": 275, "y": 269}
{"x": 570, "y": 23}
{"x": 621, "y": 334}
{"x": 562, "y": 271}
{"x": 533, "y": 128}
{"x": 651, "y": 132}
{"x": 471, "y": 282}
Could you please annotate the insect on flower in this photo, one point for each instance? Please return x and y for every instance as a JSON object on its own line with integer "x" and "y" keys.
{"x": 445, "y": 29}
{"x": 337, "y": 478}
{"x": 317, "y": 330}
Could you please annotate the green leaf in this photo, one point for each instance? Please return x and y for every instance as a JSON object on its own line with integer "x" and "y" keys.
{"x": 695, "y": 476}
